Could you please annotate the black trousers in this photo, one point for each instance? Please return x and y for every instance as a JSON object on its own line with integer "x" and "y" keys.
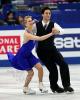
{"x": 51, "y": 58}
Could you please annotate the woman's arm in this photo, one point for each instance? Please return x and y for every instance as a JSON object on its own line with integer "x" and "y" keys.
{"x": 37, "y": 38}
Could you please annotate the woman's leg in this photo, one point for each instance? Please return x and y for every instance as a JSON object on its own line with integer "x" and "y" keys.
{"x": 26, "y": 89}
{"x": 28, "y": 78}
{"x": 38, "y": 66}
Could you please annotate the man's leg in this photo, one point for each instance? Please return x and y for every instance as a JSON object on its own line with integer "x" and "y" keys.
{"x": 53, "y": 77}
{"x": 64, "y": 71}
{"x": 52, "y": 68}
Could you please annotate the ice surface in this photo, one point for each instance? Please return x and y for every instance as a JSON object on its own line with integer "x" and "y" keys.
{"x": 12, "y": 81}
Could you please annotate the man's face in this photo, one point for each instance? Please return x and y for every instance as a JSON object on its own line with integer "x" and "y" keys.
{"x": 46, "y": 15}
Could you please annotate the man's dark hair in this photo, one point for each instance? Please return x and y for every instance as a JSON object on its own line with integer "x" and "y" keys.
{"x": 45, "y": 8}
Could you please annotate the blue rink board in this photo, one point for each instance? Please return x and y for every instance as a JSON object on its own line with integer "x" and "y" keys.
{"x": 70, "y": 60}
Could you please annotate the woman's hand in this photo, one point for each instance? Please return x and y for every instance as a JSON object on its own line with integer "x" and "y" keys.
{"x": 55, "y": 31}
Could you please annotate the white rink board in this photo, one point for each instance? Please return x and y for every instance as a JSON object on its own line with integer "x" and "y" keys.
{"x": 20, "y": 34}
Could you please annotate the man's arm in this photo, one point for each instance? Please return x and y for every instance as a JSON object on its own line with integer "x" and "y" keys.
{"x": 58, "y": 27}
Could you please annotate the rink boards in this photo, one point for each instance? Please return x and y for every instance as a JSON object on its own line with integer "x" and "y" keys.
{"x": 68, "y": 44}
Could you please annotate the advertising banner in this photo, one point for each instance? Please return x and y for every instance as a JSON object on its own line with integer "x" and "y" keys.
{"x": 68, "y": 44}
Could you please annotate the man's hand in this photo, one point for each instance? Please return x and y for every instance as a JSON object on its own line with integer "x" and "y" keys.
{"x": 55, "y": 31}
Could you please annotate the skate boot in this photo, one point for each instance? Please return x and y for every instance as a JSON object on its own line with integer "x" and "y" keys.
{"x": 27, "y": 90}
{"x": 42, "y": 88}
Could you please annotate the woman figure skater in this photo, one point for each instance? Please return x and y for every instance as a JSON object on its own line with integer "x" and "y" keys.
{"x": 26, "y": 60}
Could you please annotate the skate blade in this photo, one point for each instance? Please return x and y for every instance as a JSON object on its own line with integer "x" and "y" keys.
{"x": 29, "y": 93}
{"x": 44, "y": 91}
{"x": 69, "y": 92}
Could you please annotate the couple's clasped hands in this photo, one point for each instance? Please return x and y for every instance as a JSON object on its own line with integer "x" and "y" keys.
{"x": 55, "y": 31}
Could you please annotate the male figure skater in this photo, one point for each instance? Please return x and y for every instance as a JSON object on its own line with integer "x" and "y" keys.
{"x": 50, "y": 56}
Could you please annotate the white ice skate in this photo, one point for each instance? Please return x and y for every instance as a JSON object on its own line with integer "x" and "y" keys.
{"x": 27, "y": 90}
{"x": 42, "y": 88}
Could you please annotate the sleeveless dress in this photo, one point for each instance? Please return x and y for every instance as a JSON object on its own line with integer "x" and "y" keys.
{"x": 24, "y": 59}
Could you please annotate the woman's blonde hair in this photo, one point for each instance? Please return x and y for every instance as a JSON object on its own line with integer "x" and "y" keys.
{"x": 25, "y": 20}
{"x": 26, "y": 17}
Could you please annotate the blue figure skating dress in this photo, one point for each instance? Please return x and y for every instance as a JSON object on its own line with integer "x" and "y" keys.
{"x": 24, "y": 59}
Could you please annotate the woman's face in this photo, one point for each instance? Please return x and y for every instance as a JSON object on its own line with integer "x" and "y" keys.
{"x": 28, "y": 22}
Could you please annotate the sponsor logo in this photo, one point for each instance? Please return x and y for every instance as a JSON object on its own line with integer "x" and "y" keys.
{"x": 9, "y": 44}
{"x": 67, "y": 43}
